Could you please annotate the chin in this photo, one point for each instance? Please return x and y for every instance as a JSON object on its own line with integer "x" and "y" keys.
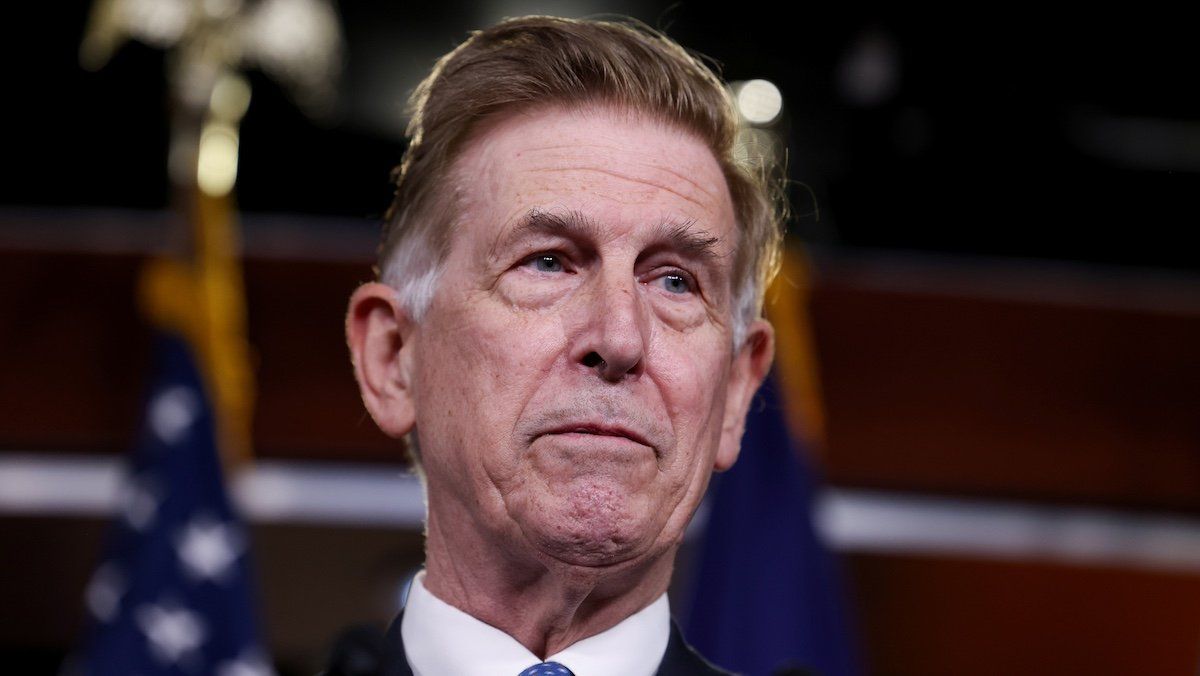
{"x": 595, "y": 525}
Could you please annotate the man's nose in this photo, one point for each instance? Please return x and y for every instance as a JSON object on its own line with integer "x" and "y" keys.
{"x": 614, "y": 338}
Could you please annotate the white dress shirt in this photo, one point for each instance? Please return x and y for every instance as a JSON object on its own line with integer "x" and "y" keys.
{"x": 441, "y": 640}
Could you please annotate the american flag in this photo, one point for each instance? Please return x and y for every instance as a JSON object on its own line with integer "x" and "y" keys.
{"x": 768, "y": 596}
{"x": 174, "y": 592}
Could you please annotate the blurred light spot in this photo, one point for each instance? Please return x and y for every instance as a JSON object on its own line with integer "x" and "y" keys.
{"x": 172, "y": 631}
{"x": 250, "y": 663}
{"x": 156, "y": 22}
{"x": 172, "y": 412}
{"x": 300, "y": 43}
{"x": 216, "y": 166}
{"x": 208, "y": 548}
{"x": 230, "y": 97}
{"x": 104, "y": 592}
{"x": 869, "y": 73}
{"x": 759, "y": 101}
{"x": 292, "y": 31}
{"x": 139, "y": 502}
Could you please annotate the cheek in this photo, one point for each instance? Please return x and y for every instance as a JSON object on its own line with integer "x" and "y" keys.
{"x": 454, "y": 347}
{"x": 693, "y": 380}
{"x": 478, "y": 367}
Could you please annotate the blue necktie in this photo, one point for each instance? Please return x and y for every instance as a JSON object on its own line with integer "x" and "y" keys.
{"x": 547, "y": 669}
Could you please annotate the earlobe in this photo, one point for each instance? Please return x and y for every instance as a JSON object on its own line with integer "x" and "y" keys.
{"x": 750, "y": 367}
{"x": 378, "y": 331}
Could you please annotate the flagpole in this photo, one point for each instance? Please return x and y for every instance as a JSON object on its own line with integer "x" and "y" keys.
{"x": 174, "y": 591}
{"x": 199, "y": 292}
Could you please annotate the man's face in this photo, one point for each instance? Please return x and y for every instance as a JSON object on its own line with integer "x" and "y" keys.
{"x": 574, "y": 379}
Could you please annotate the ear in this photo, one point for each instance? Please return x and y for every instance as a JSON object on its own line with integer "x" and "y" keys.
{"x": 750, "y": 367}
{"x": 378, "y": 332}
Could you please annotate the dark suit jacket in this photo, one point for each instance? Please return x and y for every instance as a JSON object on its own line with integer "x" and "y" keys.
{"x": 679, "y": 660}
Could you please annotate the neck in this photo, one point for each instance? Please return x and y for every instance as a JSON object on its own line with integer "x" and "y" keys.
{"x": 543, "y": 603}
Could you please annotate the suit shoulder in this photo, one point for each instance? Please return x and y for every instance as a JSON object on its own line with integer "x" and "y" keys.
{"x": 682, "y": 659}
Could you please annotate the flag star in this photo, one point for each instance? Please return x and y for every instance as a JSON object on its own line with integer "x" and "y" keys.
{"x": 173, "y": 632}
{"x": 208, "y": 548}
{"x": 139, "y": 503}
{"x": 172, "y": 412}
{"x": 104, "y": 592}
{"x": 250, "y": 663}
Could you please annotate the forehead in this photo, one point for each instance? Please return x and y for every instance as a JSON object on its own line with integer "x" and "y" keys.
{"x": 621, "y": 169}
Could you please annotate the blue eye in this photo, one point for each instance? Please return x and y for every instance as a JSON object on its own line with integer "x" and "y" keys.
{"x": 676, "y": 283}
{"x": 547, "y": 263}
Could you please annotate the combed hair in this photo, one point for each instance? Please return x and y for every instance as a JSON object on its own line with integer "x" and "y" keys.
{"x": 537, "y": 60}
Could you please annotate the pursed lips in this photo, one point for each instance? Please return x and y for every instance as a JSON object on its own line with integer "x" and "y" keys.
{"x": 604, "y": 430}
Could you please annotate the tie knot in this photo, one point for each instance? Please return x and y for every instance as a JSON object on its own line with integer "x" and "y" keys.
{"x": 547, "y": 669}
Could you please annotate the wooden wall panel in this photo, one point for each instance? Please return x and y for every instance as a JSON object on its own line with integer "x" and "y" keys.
{"x": 990, "y": 396}
{"x": 73, "y": 351}
{"x": 308, "y": 406}
{"x": 929, "y": 616}
{"x": 74, "y": 354}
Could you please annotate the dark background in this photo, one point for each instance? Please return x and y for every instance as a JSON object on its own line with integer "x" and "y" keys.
{"x": 1028, "y": 132}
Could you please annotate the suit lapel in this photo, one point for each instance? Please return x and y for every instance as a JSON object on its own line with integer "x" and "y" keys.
{"x": 394, "y": 661}
{"x": 682, "y": 660}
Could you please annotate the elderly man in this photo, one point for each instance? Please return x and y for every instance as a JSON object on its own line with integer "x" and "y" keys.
{"x": 567, "y": 329}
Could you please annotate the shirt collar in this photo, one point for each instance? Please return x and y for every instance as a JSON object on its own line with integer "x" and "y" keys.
{"x": 441, "y": 639}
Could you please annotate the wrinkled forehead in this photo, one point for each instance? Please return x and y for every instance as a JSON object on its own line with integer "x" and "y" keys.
{"x": 619, "y": 167}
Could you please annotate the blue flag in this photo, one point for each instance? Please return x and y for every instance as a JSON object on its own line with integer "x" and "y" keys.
{"x": 173, "y": 594}
{"x": 768, "y": 596}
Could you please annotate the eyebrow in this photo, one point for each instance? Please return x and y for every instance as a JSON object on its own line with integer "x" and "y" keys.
{"x": 572, "y": 224}
{"x": 691, "y": 241}
{"x": 682, "y": 236}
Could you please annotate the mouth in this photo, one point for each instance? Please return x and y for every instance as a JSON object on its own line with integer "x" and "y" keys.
{"x": 602, "y": 430}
